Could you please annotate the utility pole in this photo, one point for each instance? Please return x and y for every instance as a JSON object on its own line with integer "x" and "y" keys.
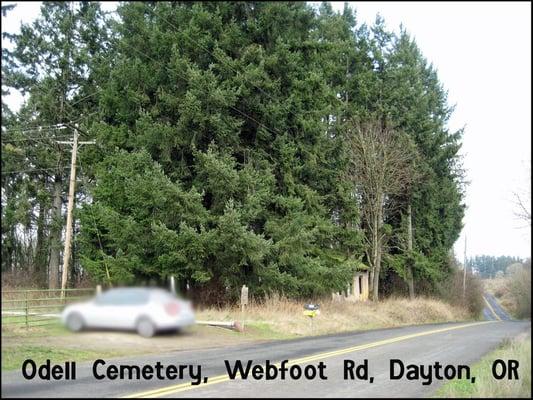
{"x": 464, "y": 271}
{"x": 71, "y": 194}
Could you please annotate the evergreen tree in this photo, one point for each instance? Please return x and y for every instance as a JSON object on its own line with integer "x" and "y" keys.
{"x": 235, "y": 111}
{"x": 52, "y": 62}
{"x": 223, "y": 134}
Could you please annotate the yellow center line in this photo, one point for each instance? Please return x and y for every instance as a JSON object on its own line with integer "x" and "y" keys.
{"x": 491, "y": 309}
{"x": 223, "y": 378}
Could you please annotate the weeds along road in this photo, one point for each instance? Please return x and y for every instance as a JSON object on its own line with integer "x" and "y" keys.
{"x": 451, "y": 343}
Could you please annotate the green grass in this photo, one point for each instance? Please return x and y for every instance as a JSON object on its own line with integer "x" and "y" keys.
{"x": 263, "y": 330}
{"x": 15, "y": 326}
{"x": 14, "y": 356}
{"x": 488, "y": 386}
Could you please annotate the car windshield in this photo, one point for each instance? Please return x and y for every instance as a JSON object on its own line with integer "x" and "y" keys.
{"x": 123, "y": 297}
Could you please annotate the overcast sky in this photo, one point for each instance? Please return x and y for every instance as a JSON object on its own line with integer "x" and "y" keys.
{"x": 482, "y": 52}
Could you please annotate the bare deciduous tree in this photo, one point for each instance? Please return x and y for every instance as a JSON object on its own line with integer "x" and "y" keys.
{"x": 523, "y": 204}
{"x": 523, "y": 212}
{"x": 381, "y": 166}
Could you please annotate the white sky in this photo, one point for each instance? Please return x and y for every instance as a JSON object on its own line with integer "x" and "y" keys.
{"x": 482, "y": 52}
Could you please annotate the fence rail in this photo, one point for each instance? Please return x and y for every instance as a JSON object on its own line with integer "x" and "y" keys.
{"x": 46, "y": 290}
{"x": 37, "y": 307}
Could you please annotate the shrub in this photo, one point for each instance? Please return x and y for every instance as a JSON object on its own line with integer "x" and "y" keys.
{"x": 499, "y": 292}
{"x": 451, "y": 290}
{"x": 520, "y": 284}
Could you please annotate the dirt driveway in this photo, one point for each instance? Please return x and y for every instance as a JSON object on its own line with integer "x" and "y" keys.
{"x": 196, "y": 337}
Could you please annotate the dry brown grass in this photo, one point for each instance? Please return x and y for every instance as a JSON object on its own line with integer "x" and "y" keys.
{"x": 283, "y": 315}
{"x": 498, "y": 287}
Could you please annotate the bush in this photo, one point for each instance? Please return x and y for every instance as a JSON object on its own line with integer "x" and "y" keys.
{"x": 451, "y": 291}
{"x": 499, "y": 292}
{"x": 520, "y": 285}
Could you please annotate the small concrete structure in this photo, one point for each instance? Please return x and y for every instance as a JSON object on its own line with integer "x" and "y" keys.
{"x": 357, "y": 290}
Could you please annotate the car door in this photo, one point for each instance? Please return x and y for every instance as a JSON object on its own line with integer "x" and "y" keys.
{"x": 119, "y": 308}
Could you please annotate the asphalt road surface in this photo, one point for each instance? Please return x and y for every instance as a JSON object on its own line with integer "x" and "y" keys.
{"x": 448, "y": 344}
{"x": 493, "y": 310}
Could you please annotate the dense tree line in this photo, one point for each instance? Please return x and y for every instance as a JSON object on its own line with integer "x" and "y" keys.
{"x": 225, "y": 148}
{"x": 487, "y": 266}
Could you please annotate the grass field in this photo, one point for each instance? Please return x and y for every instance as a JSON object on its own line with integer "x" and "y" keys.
{"x": 486, "y": 385}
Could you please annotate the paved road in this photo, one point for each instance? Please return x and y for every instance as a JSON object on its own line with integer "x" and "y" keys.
{"x": 493, "y": 310}
{"x": 452, "y": 343}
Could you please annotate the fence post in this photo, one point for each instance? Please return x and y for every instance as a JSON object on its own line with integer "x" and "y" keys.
{"x": 244, "y": 302}
{"x": 172, "y": 284}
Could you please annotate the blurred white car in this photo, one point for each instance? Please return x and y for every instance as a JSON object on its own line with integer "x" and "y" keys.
{"x": 146, "y": 310}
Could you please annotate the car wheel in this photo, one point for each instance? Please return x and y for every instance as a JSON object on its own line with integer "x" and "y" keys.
{"x": 145, "y": 327}
{"x": 75, "y": 322}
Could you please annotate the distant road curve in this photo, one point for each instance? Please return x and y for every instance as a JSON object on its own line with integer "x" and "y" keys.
{"x": 493, "y": 310}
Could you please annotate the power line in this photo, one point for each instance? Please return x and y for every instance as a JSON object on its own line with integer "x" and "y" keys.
{"x": 44, "y": 126}
{"x": 70, "y": 206}
{"x": 35, "y": 129}
{"x": 244, "y": 114}
{"x": 42, "y": 129}
{"x": 33, "y": 170}
{"x": 36, "y": 139}
{"x": 85, "y": 97}
{"x": 67, "y": 103}
{"x": 271, "y": 130}
{"x": 94, "y": 223}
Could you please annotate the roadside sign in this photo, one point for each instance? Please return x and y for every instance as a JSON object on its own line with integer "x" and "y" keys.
{"x": 311, "y": 310}
{"x": 244, "y": 295}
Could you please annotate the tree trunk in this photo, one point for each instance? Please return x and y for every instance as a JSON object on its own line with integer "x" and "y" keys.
{"x": 40, "y": 250}
{"x": 410, "y": 277}
{"x": 374, "y": 254}
{"x": 11, "y": 263}
{"x": 377, "y": 247}
{"x": 7, "y": 236}
{"x": 55, "y": 236}
{"x": 74, "y": 275}
{"x": 371, "y": 283}
{"x": 375, "y": 283}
